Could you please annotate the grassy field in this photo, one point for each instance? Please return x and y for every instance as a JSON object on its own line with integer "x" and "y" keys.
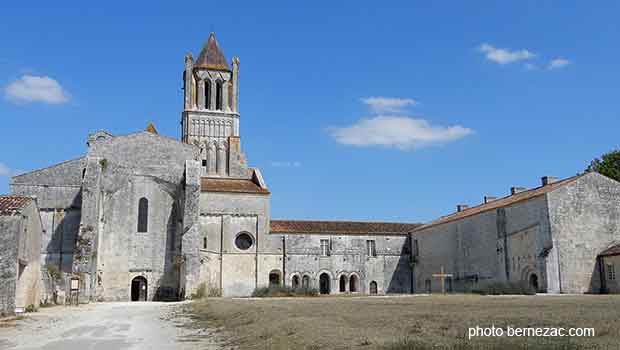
{"x": 408, "y": 322}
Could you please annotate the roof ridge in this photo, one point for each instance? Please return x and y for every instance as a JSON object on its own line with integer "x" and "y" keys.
{"x": 518, "y": 197}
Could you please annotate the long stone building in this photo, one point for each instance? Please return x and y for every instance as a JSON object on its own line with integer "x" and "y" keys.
{"x": 561, "y": 237}
{"x": 148, "y": 217}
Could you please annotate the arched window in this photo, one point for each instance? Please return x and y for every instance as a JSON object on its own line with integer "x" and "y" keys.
{"x": 218, "y": 95}
{"x": 343, "y": 284}
{"x": 204, "y": 242}
{"x": 373, "y": 287}
{"x": 295, "y": 282}
{"x": 324, "y": 287}
{"x": 353, "y": 282}
{"x": 143, "y": 215}
{"x": 208, "y": 94}
{"x": 305, "y": 281}
{"x": 274, "y": 278}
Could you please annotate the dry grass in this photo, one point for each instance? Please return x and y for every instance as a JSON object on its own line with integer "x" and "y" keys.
{"x": 408, "y": 322}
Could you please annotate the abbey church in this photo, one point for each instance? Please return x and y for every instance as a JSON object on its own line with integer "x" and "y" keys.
{"x": 147, "y": 217}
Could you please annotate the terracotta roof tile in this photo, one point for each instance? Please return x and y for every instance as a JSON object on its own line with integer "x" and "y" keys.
{"x": 614, "y": 250}
{"x": 211, "y": 56}
{"x": 208, "y": 184}
{"x": 340, "y": 227}
{"x": 502, "y": 202}
{"x": 11, "y": 204}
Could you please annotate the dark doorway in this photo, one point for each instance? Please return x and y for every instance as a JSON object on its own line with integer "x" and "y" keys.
{"x": 534, "y": 282}
{"x": 353, "y": 284}
{"x": 138, "y": 289}
{"x": 373, "y": 287}
{"x": 274, "y": 278}
{"x": 343, "y": 284}
{"x": 324, "y": 283}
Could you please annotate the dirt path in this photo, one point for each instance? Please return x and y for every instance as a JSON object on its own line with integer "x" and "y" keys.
{"x": 104, "y": 326}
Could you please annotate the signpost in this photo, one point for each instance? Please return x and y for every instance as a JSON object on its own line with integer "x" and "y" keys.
{"x": 74, "y": 290}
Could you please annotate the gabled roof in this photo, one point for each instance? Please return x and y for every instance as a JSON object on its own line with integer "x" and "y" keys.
{"x": 613, "y": 250}
{"x": 502, "y": 202}
{"x": 208, "y": 184}
{"x": 211, "y": 56}
{"x": 12, "y": 204}
{"x": 340, "y": 227}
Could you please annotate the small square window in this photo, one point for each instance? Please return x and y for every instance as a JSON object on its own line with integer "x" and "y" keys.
{"x": 611, "y": 272}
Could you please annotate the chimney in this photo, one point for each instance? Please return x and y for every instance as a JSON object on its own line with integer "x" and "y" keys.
{"x": 461, "y": 207}
{"x": 515, "y": 190}
{"x": 489, "y": 199}
{"x": 548, "y": 180}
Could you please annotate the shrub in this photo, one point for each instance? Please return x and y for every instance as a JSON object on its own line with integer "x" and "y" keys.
{"x": 281, "y": 291}
{"x": 501, "y": 288}
{"x": 30, "y": 308}
{"x": 201, "y": 291}
{"x": 54, "y": 273}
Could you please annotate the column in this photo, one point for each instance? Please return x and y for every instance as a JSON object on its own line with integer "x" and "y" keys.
{"x": 201, "y": 94}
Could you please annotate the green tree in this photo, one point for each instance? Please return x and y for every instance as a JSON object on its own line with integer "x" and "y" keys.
{"x": 608, "y": 165}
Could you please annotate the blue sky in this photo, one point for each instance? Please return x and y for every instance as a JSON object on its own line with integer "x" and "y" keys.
{"x": 392, "y": 111}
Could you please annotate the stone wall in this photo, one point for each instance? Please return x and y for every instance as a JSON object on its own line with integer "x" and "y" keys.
{"x": 9, "y": 227}
{"x": 132, "y": 167}
{"x": 348, "y": 256}
{"x": 29, "y": 262}
{"x": 222, "y": 265}
{"x": 585, "y": 220}
{"x": 501, "y": 244}
{"x": 20, "y": 242}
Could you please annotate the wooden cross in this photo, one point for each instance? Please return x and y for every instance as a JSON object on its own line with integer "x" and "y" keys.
{"x": 442, "y": 277}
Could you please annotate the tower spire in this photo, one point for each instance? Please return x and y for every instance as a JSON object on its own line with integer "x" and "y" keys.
{"x": 211, "y": 56}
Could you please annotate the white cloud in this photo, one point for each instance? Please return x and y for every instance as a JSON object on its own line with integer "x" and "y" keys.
{"x": 5, "y": 171}
{"x": 558, "y": 63}
{"x": 400, "y": 132}
{"x": 30, "y": 88}
{"x": 505, "y": 56}
{"x": 388, "y": 104}
{"x": 285, "y": 164}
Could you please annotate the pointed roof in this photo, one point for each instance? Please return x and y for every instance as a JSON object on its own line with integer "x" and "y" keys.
{"x": 151, "y": 128}
{"x": 211, "y": 56}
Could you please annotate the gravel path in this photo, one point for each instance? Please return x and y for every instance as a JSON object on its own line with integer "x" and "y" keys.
{"x": 106, "y": 326}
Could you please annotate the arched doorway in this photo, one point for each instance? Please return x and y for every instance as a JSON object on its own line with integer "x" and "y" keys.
{"x": 373, "y": 287}
{"x": 343, "y": 284}
{"x": 534, "y": 282}
{"x": 138, "y": 289}
{"x": 324, "y": 283}
{"x": 295, "y": 282}
{"x": 274, "y": 278}
{"x": 305, "y": 282}
{"x": 353, "y": 283}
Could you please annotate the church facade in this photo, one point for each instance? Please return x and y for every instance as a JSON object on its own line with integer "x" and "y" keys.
{"x": 148, "y": 217}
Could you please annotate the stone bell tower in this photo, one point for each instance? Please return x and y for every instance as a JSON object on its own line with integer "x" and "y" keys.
{"x": 210, "y": 118}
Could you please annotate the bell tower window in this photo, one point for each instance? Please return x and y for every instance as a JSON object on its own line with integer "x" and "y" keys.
{"x": 208, "y": 94}
{"x": 218, "y": 95}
